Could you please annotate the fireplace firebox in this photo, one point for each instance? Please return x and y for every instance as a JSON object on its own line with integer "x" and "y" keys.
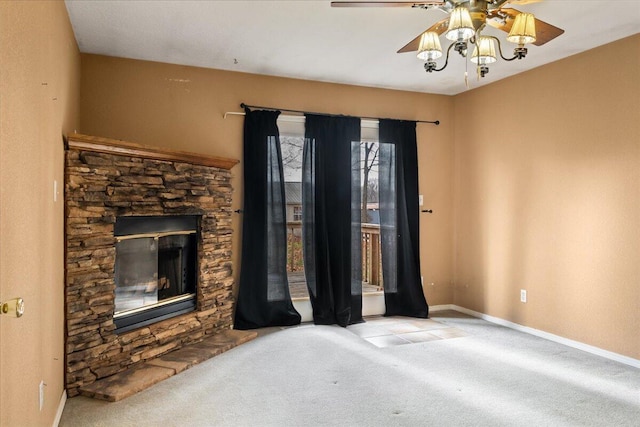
{"x": 155, "y": 269}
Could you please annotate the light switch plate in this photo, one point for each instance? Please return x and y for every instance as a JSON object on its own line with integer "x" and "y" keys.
{"x": 420, "y": 200}
{"x": 41, "y": 393}
{"x": 523, "y": 295}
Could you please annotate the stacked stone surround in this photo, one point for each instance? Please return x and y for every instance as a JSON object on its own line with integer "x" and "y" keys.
{"x": 104, "y": 181}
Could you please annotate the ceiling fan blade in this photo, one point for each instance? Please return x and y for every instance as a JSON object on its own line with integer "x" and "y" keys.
{"x": 386, "y": 4}
{"x": 544, "y": 32}
{"x": 439, "y": 27}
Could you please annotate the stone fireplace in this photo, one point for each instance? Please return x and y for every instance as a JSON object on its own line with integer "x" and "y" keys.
{"x": 148, "y": 254}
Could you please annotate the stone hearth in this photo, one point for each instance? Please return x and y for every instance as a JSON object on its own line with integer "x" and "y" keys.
{"x": 107, "y": 179}
{"x": 142, "y": 376}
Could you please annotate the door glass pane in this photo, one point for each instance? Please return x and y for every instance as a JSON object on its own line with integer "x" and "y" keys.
{"x": 136, "y": 273}
{"x": 276, "y": 250}
{"x": 292, "y": 147}
{"x": 356, "y": 218}
{"x": 388, "y": 230}
{"x": 372, "y": 277}
{"x": 367, "y": 259}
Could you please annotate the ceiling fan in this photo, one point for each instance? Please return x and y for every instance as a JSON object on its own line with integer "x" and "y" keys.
{"x": 467, "y": 19}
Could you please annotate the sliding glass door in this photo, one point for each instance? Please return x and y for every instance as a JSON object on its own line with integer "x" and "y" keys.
{"x": 330, "y": 212}
{"x": 366, "y": 203}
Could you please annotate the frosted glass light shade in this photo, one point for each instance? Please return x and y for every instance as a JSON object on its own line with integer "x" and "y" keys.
{"x": 523, "y": 30}
{"x": 430, "y": 48}
{"x": 485, "y": 51}
{"x": 460, "y": 25}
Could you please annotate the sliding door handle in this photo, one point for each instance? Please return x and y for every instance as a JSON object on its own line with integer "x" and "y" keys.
{"x": 13, "y": 307}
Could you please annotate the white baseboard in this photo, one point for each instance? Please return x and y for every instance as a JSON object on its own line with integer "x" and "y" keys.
{"x": 301, "y": 306}
{"x": 442, "y": 307}
{"x": 63, "y": 401}
{"x": 542, "y": 334}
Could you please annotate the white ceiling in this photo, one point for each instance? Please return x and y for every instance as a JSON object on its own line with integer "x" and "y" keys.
{"x": 311, "y": 40}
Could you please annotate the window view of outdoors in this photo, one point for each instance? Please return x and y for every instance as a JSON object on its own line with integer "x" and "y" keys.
{"x": 371, "y": 259}
{"x": 292, "y": 165}
{"x": 370, "y": 218}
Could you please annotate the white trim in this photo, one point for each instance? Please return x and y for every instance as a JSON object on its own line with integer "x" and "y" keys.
{"x": 63, "y": 401}
{"x": 289, "y": 125}
{"x": 373, "y": 304}
{"x": 365, "y": 123}
{"x": 308, "y": 316}
{"x": 442, "y": 307}
{"x": 303, "y": 307}
{"x": 546, "y": 335}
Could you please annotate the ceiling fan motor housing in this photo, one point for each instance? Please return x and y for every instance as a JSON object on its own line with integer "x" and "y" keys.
{"x": 477, "y": 10}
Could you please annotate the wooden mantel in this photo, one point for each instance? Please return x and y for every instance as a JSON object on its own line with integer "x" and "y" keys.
{"x": 114, "y": 146}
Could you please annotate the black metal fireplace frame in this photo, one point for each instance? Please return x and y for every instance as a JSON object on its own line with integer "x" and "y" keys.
{"x": 128, "y": 225}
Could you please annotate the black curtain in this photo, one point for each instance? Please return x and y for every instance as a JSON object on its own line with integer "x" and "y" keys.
{"x": 331, "y": 218}
{"x": 399, "y": 225}
{"x": 263, "y": 294}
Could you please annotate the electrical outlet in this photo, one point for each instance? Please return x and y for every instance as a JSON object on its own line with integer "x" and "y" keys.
{"x": 523, "y": 295}
{"x": 41, "y": 391}
{"x": 55, "y": 190}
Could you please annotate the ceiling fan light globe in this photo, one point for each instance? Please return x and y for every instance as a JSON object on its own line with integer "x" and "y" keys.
{"x": 429, "y": 55}
{"x": 430, "y": 48}
{"x": 462, "y": 34}
{"x": 484, "y": 52}
{"x": 523, "y": 30}
{"x": 460, "y": 25}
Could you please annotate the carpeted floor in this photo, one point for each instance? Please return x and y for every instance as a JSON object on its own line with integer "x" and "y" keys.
{"x": 487, "y": 375}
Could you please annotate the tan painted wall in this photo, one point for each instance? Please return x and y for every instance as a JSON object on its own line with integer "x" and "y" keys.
{"x": 548, "y": 202}
{"x": 182, "y": 107}
{"x": 39, "y": 100}
{"x": 547, "y": 198}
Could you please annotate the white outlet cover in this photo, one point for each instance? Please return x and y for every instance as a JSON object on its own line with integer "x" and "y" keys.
{"x": 523, "y": 295}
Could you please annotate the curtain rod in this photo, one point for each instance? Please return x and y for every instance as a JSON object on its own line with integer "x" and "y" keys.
{"x": 296, "y": 118}
{"x": 243, "y": 105}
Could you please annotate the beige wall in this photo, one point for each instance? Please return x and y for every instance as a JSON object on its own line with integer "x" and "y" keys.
{"x": 548, "y": 202}
{"x": 182, "y": 107}
{"x": 547, "y": 198}
{"x": 39, "y": 99}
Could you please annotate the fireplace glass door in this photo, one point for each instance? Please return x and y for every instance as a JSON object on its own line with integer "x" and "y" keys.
{"x": 155, "y": 271}
{"x": 136, "y": 273}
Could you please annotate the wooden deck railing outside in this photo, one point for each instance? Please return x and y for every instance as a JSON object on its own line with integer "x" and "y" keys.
{"x": 371, "y": 255}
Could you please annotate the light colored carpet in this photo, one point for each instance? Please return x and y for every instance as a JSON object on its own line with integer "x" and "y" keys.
{"x": 328, "y": 376}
